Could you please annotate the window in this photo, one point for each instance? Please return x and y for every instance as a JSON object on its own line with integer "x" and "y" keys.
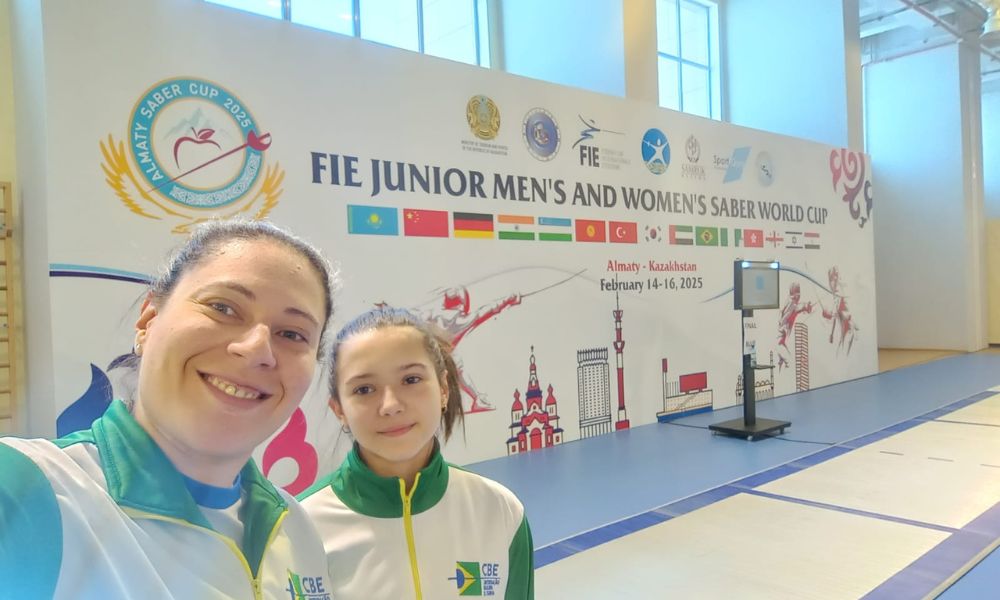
{"x": 688, "y": 56}
{"x": 453, "y": 29}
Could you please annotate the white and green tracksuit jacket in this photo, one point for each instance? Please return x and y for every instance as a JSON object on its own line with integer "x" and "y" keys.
{"x": 455, "y": 534}
{"x": 103, "y": 514}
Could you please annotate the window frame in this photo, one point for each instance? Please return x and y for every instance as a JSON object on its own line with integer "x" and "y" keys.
{"x": 710, "y": 67}
{"x": 480, "y": 30}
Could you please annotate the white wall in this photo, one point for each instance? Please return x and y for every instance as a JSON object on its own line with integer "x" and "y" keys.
{"x": 793, "y": 67}
{"x": 928, "y": 232}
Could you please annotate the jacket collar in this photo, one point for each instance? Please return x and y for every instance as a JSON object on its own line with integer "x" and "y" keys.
{"x": 369, "y": 494}
{"x": 140, "y": 476}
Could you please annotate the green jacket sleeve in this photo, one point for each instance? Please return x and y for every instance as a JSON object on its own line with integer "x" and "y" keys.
{"x": 30, "y": 529}
{"x": 521, "y": 555}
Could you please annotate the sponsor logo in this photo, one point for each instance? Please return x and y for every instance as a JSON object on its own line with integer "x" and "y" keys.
{"x": 655, "y": 151}
{"x": 483, "y": 116}
{"x": 541, "y": 134}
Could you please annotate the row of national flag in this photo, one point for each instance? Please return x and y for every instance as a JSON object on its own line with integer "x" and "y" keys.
{"x": 418, "y": 222}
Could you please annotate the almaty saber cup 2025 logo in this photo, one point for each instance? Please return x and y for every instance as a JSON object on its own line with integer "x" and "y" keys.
{"x": 194, "y": 153}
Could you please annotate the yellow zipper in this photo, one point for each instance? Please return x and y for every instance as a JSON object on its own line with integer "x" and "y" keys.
{"x": 408, "y": 526}
{"x": 254, "y": 581}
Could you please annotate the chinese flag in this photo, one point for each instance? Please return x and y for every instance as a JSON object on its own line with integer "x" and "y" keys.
{"x": 425, "y": 223}
{"x": 590, "y": 231}
{"x": 623, "y": 232}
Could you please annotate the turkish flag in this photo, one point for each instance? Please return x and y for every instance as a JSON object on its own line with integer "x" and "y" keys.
{"x": 623, "y": 232}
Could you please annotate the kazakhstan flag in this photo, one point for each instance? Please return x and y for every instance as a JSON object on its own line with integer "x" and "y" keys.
{"x": 372, "y": 220}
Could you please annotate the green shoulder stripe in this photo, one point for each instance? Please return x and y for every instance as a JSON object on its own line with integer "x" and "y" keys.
{"x": 30, "y": 528}
{"x": 521, "y": 568}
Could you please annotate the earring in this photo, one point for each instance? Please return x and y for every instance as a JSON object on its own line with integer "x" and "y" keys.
{"x": 137, "y": 345}
{"x": 345, "y": 429}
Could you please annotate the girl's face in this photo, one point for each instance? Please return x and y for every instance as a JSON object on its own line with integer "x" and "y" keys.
{"x": 230, "y": 353}
{"x": 391, "y": 397}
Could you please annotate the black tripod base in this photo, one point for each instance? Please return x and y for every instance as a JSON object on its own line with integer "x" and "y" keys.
{"x": 761, "y": 428}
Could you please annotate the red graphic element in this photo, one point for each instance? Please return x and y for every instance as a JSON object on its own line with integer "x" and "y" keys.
{"x": 692, "y": 382}
{"x": 623, "y": 232}
{"x": 457, "y": 321}
{"x": 533, "y": 425}
{"x": 839, "y": 316}
{"x": 455, "y": 318}
{"x": 850, "y": 167}
{"x": 291, "y": 443}
{"x": 202, "y": 136}
{"x": 686, "y": 395}
{"x": 622, "y": 422}
{"x": 753, "y": 238}
{"x": 425, "y": 223}
{"x": 786, "y": 322}
{"x": 774, "y": 239}
{"x": 590, "y": 231}
{"x": 256, "y": 143}
{"x": 457, "y": 299}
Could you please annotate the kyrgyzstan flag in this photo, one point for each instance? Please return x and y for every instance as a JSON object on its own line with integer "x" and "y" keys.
{"x": 623, "y": 232}
{"x": 425, "y": 223}
{"x": 590, "y": 231}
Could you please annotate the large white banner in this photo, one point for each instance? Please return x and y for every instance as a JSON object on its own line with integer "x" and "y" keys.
{"x": 579, "y": 247}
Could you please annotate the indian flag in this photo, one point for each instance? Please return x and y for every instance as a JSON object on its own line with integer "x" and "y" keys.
{"x": 552, "y": 229}
{"x": 516, "y": 227}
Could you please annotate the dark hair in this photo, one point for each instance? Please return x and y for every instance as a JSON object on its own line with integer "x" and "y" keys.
{"x": 208, "y": 237}
{"x": 436, "y": 342}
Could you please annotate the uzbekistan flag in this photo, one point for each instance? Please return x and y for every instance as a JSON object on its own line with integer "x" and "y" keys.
{"x": 552, "y": 229}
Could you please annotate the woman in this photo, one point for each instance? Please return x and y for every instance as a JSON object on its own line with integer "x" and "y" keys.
{"x": 397, "y": 521}
{"x": 159, "y": 499}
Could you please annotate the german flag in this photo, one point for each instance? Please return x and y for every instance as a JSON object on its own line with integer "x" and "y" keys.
{"x": 473, "y": 225}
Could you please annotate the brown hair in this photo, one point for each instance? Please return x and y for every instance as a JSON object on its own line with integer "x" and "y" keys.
{"x": 436, "y": 342}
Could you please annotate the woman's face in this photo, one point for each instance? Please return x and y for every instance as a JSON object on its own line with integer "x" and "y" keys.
{"x": 230, "y": 353}
{"x": 391, "y": 397}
